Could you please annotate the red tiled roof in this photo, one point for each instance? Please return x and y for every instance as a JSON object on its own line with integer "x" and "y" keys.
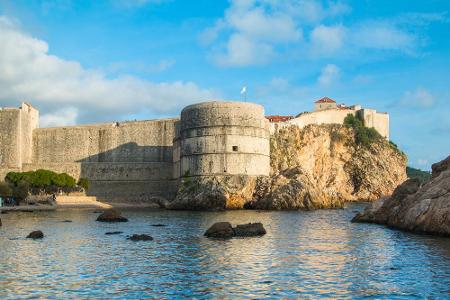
{"x": 278, "y": 118}
{"x": 325, "y": 100}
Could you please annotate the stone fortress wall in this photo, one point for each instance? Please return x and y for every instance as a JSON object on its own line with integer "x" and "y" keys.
{"x": 16, "y": 129}
{"x": 142, "y": 160}
{"x": 222, "y": 138}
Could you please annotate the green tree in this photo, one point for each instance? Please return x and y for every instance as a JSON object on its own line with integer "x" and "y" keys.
{"x": 84, "y": 183}
{"x": 5, "y": 190}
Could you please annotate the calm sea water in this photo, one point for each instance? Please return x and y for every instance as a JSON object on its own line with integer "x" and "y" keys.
{"x": 317, "y": 254}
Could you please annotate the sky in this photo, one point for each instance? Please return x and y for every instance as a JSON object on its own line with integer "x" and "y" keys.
{"x": 84, "y": 62}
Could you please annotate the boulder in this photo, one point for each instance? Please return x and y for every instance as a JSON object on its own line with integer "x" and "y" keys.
{"x": 250, "y": 229}
{"x": 113, "y": 232}
{"x": 140, "y": 237}
{"x": 222, "y": 230}
{"x": 439, "y": 167}
{"x": 36, "y": 235}
{"x": 111, "y": 215}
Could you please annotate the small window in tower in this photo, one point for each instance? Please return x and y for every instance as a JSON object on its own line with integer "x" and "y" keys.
{"x": 235, "y": 148}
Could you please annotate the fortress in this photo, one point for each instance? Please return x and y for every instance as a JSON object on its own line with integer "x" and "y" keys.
{"x": 142, "y": 161}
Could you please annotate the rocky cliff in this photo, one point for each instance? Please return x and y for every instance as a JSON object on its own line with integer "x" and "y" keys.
{"x": 414, "y": 206}
{"x": 319, "y": 166}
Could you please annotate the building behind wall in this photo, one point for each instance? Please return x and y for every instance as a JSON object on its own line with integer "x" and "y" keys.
{"x": 327, "y": 111}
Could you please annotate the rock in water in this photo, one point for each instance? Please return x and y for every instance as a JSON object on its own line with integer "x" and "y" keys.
{"x": 113, "y": 232}
{"x": 414, "y": 207}
{"x": 111, "y": 215}
{"x": 250, "y": 229}
{"x": 222, "y": 230}
{"x": 36, "y": 235}
{"x": 140, "y": 237}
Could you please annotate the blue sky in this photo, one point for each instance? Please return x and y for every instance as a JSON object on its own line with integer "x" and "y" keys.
{"x": 92, "y": 61}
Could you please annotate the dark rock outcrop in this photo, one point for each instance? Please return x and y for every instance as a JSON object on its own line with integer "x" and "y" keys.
{"x": 35, "y": 235}
{"x": 111, "y": 215}
{"x": 224, "y": 230}
{"x": 414, "y": 207}
{"x": 250, "y": 229}
{"x": 113, "y": 232}
{"x": 140, "y": 237}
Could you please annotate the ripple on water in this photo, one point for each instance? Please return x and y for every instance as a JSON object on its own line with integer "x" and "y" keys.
{"x": 304, "y": 254}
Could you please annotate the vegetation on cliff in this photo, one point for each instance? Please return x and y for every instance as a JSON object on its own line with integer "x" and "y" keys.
{"x": 423, "y": 176}
{"x": 364, "y": 136}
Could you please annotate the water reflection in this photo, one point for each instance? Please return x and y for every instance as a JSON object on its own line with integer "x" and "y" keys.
{"x": 305, "y": 254}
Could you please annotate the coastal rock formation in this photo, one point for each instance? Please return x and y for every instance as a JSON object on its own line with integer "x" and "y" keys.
{"x": 318, "y": 166}
{"x": 214, "y": 193}
{"x": 415, "y": 207}
{"x": 224, "y": 230}
{"x": 36, "y": 235}
{"x": 111, "y": 215}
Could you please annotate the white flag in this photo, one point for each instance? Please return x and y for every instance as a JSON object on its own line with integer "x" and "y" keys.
{"x": 244, "y": 90}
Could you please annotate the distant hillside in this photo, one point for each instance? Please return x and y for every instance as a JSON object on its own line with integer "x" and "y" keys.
{"x": 423, "y": 176}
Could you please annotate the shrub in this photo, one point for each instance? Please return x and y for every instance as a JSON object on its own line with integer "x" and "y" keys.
{"x": 84, "y": 183}
{"x": 41, "y": 179}
{"x": 363, "y": 135}
{"x": 21, "y": 190}
{"x": 5, "y": 190}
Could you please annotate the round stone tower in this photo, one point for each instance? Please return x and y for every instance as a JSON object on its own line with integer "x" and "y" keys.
{"x": 222, "y": 139}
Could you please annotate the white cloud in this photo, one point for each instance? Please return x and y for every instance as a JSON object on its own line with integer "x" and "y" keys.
{"x": 327, "y": 40}
{"x": 418, "y": 98}
{"x": 242, "y": 51}
{"x": 330, "y": 74}
{"x": 254, "y": 29}
{"x": 28, "y": 71}
{"x": 61, "y": 117}
{"x": 278, "y": 29}
{"x": 383, "y": 36}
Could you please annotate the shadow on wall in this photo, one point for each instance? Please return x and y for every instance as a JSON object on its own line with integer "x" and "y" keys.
{"x": 132, "y": 153}
{"x": 130, "y": 173}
